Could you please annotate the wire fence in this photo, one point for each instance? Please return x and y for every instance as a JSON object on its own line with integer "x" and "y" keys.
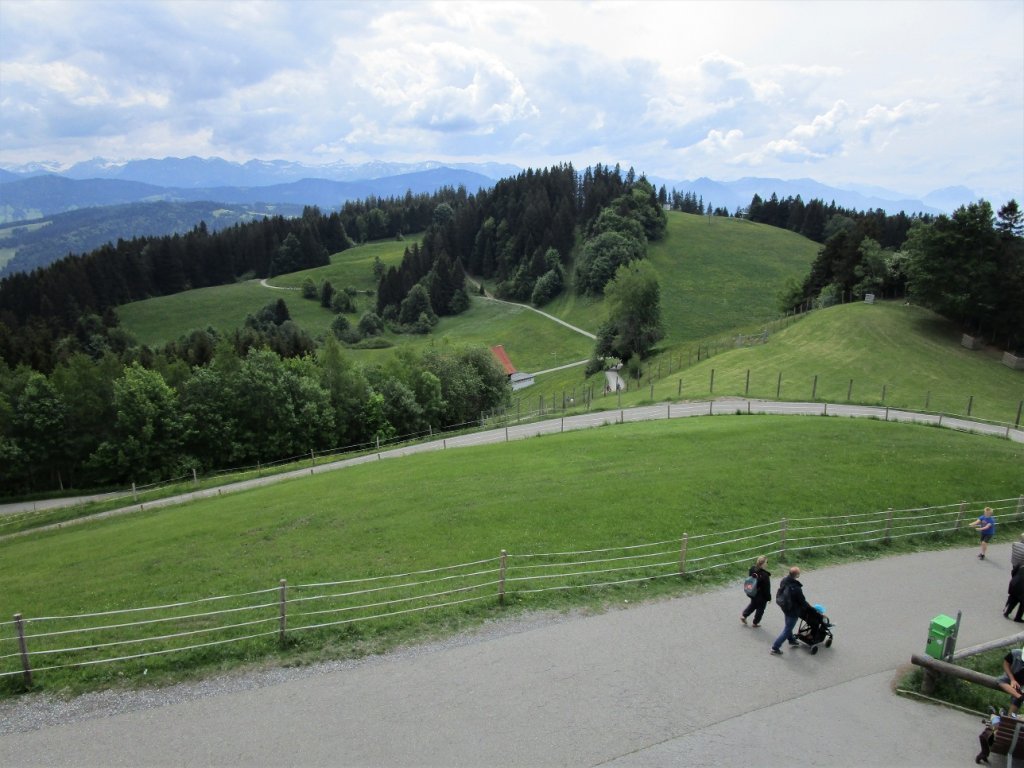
{"x": 270, "y": 618}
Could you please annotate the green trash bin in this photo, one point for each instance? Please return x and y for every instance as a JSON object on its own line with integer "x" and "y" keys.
{"x": 940, "y": 636}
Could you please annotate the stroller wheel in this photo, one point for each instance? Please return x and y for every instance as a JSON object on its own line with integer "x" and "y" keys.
{"x": 828, "y": 642}
{"x": 814, "y": 649}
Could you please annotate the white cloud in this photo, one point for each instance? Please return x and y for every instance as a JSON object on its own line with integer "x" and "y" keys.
{"x": 904, "y": 113}
{"x": 674, "y": 89}
{"x": 719, "y": 143}
{"x": 445, "y": 87}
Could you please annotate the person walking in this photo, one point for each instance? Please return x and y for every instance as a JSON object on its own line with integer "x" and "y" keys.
{"x": 791, "y": 600}
{"x": 1015, "y": 594}
{"x": 762, "y": 591}
{"x": 986, "y": 528}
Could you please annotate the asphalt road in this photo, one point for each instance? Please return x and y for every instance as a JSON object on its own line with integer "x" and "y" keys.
{"x": 673, "y": 683}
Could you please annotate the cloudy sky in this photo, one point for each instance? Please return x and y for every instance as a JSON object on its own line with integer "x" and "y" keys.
{"x": 908, "y": 95}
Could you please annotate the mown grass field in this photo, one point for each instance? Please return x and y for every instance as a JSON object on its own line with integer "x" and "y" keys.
{"x": 907, "y": 351}
{"x": 225, "y": 307}
{"x": 715, "y": 276}
{"x": 616, "y": 485}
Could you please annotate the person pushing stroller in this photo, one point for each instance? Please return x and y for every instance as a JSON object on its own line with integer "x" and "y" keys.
{"x": 790, "y": 598}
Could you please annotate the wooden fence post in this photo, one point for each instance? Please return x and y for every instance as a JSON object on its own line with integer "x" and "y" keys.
{"x": 778, "y": 387}
{"x": 712, "y": 388}
{"x": 970, "y": 404}
{"x": 26, "y": 667}
{"x": 888, "y": 526}
{"x": 960, "y": 515}
{"x": 1020, "y": 508}
{"x": 282, "y": 610}
{"x": 501, "y": 578}
{"x": 682, "y": 555}
{"x": 782, "y": 539}
{"x": 849, "y": 391}
{"x": 746, "y": 389}
{"x": 1020, "y": 407}
{"x": 814, "y": 387}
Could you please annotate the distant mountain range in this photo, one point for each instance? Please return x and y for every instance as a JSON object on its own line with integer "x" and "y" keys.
{"x": 282, "y": 181}
{"x": 39, "y": 192}
{"x": 194, "y": 172}
{"x": 28, "y": 197}
{"x": 738, "y": 194}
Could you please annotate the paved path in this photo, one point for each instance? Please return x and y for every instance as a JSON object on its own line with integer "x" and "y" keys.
{"x": 723, "y": 406}
{"x": 678, "y": 682}
{"x": 265, "y": 284}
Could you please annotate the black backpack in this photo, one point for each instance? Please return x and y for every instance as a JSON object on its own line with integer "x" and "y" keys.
{"x": 783, "y": 599}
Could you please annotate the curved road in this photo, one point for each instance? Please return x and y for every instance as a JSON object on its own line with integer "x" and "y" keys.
{"x": 724, "y": 406}
{"x": 678, "y": 682}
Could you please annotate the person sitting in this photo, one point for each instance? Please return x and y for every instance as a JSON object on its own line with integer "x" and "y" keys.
{"x": 1012, "y": 678}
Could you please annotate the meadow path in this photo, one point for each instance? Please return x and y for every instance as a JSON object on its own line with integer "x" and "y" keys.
{"x": 722, "y": 406}
{"x": 677, "y": 682}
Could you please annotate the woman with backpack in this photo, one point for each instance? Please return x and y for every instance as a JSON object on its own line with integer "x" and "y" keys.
{"x": 758, "y": 587}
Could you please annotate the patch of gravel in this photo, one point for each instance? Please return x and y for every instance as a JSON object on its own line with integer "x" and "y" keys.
{"x": 34, "y": 711}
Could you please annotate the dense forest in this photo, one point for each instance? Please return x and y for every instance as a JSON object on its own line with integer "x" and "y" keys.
{"x": 82, "y": 404}
{"x": 968, "y": 267}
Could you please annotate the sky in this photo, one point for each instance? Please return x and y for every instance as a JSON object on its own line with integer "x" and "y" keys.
{"x": 910, "y": 96}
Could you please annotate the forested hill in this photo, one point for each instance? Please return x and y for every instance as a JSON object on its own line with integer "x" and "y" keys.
{"x": 39, "y": 309}
{"x": 41, "y": 242}
{"x": 521, "y": 233}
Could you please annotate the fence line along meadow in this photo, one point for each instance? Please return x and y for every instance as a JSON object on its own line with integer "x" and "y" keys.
{"x": 276, "y": 616}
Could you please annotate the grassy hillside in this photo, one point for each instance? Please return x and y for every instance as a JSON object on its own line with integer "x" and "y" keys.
{"x": 157, "y": 321}
{"x": 715, "y": 277}
{"x": 619, "y": 485}
{"x": 910, "y": 352}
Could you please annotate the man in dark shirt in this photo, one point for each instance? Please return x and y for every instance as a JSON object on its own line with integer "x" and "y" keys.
{"x": 792, "y": 601}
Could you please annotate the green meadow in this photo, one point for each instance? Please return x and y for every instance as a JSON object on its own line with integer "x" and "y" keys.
{"x": 887, "y": 353}
{"x": 610, "y": 486}
{"x": 714, "y": 277}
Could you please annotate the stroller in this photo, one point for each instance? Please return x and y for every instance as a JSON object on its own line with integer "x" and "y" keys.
{"x": 814, "y": 628}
